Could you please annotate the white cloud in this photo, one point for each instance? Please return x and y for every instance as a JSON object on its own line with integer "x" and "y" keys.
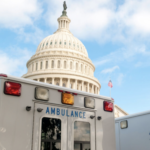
{"x": 18, "y": 13}
{"x": 120, "y": 79}
{"x": 135, "y": 14}
{"x": 36, "y": 36}
{"x": 101, "y": 62}
{"x": 14, "y": 61}
{"x": 104, "y": 20}
{"x": 110, "y": 70}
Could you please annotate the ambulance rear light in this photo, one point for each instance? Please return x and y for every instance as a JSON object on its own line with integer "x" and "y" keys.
{"x": 67, "y": 98}
{"x": 12, "y": 88}
{"x": 3, "y": 75}
{"x": 124, "y": 124}
{"x": 67, "y": 92}
{"x": 108, "y": 106}
{"x": 89, "y": 102}
{"x": 41, "y": 93}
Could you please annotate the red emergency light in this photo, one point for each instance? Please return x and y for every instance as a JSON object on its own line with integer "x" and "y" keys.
{"x": 108, "y": 106}
{"x": 12, "y": 88}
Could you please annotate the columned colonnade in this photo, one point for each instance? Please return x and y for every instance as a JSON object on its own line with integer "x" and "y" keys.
{"x": 71, "y": 83}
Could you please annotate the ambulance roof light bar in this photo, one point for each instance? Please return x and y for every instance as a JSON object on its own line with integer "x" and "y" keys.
{"x": 3, "y": 75}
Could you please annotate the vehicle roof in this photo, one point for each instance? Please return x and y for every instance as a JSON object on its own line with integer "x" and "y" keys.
{"x": 32, "y": 82}
{"x": 133, "y": 115}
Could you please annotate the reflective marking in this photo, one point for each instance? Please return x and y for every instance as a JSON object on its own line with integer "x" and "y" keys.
{"x": 47, "y": 110}
{"x": 52, "y": 110}
{"x": 76, "y": 113}
{"x": 80, "y": 114}
{"x": 67, "y": 113}
{"x": 72, "y": 115}
{"x": 58, "y": 111}
{"x": 62, "y": 112}
{"x": 84, "y": 115}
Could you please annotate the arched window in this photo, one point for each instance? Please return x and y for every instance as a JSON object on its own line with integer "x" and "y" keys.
{"x": 36, "y": 66}
{"x": 81, "y": 68}
{"x": 58, "y": 64}
{"x": 76, "y": 66}
{"x": 51, "y": 43}
{"x": 64, "y": 84}
{"x": 65, "y": 64}
{"x": 46, "y": 65}
{"x": 52, "y": 65}
{"x": 57, "y": 83}
{"x": 41, "y": 65}
{"x": 71, "y": 65}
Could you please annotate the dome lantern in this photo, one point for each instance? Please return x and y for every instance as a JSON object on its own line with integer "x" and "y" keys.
{"x": 63, "y": 21}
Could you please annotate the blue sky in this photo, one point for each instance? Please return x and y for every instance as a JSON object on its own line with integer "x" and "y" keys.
{"x": 115, "y": 33}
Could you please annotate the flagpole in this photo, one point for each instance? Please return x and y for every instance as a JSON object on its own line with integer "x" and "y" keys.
{"x": 110, "y": 91}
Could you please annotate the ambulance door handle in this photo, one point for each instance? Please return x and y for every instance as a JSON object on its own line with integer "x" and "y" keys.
{"x": 39, "y": 109}
{"x": 92, "y": 117}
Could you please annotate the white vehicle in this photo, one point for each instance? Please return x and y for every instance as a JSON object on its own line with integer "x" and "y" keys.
{"x": 40, "y": 116}
{"x": 133, "y": 132}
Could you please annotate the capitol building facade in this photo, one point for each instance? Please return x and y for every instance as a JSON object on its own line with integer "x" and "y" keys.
{"x": 62, "y": 59}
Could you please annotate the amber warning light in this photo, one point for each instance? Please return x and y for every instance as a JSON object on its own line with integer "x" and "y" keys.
{"x": 67, "y": 98}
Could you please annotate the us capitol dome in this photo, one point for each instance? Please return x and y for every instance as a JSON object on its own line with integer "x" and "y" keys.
{"x": 62, "y": 59}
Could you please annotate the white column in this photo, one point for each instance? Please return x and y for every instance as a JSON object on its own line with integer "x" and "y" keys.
{"x": 60, "y": 81}
{"x": 82, "y": 85}
{"x": 65, "y": 23}
{"x": 95, "y": 90}
{"x": 75, "y": 86}
{"x": 38, "y": 80}
{"x": 92, "y": 88}
{"x": 87, "y": 87}
{"x": 98, "y": 91}
{"x": 53, "y": 81}
{"x": 45, "y": 80}
{"x": 68, "y": 83}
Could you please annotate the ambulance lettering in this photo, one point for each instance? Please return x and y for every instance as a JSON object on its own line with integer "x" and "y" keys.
{"x": 63, "y": 112}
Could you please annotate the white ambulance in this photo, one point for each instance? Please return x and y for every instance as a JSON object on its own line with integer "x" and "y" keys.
{"x": 40, "y": 116}
{"x": 133, "y": 132}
